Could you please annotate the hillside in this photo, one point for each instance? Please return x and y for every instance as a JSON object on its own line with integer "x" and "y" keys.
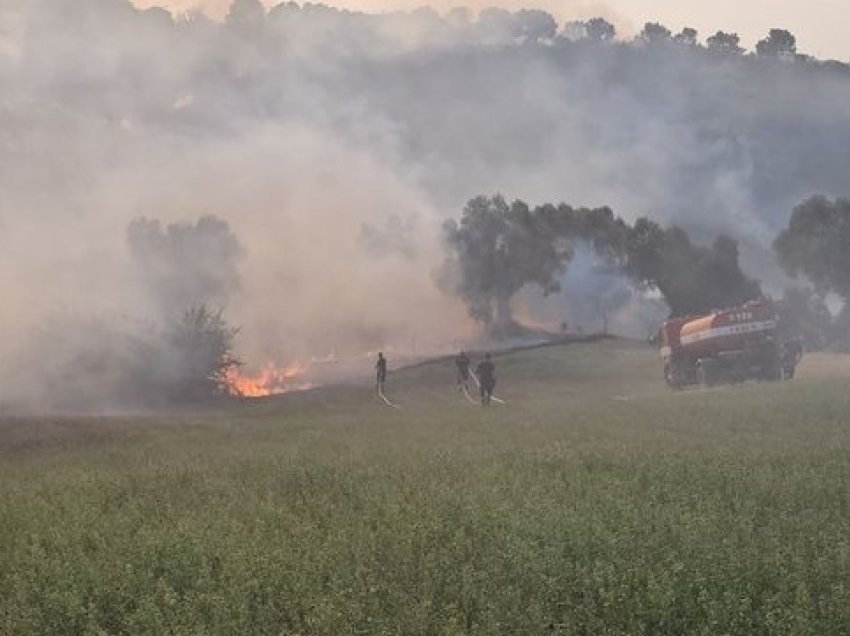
{"x": 595, "y": 501}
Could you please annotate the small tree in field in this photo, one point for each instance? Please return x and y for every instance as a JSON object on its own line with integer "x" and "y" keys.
{"x": 493, "y": 251}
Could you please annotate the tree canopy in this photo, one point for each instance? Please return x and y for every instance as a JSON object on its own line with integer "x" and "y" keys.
{"x": 693, "y": 279}
{"x": 655, "y": 33}
{"x": 496, "y": 248}
{"x": 778, "y": 43}
{"x": 816, "y": 243}
{"x": 185, "y": 265}
{"x": 722, "y": 42}
{"x": 687, "y": 36}
{"x": 600, "y": 30}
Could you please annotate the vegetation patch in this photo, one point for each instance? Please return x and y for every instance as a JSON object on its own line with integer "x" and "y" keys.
{"x": 595, "y": 502}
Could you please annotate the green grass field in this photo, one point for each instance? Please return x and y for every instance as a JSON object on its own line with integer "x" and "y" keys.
{"x": 595, "y": 502}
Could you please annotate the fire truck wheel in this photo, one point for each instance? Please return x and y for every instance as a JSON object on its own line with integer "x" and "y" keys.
{"x": 671, "y": 377}
{"x": 706, "y": 375}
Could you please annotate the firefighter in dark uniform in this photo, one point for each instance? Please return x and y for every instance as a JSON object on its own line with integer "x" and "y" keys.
{"x": 381, "y": 367}
{"x": 487, "y": 378}
{"x": 462, "y": 362}
{"x": 791, "y": 354}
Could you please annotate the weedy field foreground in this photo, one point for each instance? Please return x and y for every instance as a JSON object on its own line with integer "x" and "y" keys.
{"x": 596, "y": 501}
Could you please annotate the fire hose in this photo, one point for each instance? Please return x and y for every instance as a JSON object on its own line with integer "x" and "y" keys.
{"x": 466, "y": 394}
{"x": 386, "y": 400}
{"x": 478, "y": 382}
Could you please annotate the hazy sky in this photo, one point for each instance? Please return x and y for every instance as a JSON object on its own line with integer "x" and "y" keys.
{"x": 821, "y": 26}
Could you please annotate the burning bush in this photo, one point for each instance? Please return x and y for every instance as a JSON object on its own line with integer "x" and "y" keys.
{"x": 92, "y": 364}
{"x": 198, "y": 348}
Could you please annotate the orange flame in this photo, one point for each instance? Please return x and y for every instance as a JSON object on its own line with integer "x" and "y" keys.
{"x": 272, "y": 380}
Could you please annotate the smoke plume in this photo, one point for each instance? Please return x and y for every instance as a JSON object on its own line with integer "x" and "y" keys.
{"x": 334, "y": 144}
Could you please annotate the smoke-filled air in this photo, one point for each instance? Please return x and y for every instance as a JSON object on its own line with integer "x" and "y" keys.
{"x": 189, "y": 205}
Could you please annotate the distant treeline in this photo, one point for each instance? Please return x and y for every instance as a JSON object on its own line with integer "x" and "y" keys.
{"x": 493, "y": 26}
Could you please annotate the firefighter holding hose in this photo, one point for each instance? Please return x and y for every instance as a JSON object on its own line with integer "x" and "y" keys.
{"x": 381, "y": 368}
{"x": 487, "y": 379}
{"x": 462, "y": 362}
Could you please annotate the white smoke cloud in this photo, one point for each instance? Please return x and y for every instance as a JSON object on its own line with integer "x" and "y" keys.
{"x": 335, "y": 144}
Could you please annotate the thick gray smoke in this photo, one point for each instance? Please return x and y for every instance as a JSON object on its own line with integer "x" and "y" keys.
{"x": 184, "y": 265}
{"x": 334, "y": 144}
{"x": 594, "y": 298}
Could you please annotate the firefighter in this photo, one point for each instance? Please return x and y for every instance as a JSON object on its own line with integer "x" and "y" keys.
{"x": 487, "y": 379}
{"x": 462, "y": 362}
{"x": 791, "y": 354}
{"x": 381, "y": 367}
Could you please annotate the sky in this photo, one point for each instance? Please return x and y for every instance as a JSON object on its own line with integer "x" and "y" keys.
{"x": 820, "y": 25}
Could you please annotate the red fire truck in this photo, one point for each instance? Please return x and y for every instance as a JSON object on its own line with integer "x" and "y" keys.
{"x": 730, "y": 345}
